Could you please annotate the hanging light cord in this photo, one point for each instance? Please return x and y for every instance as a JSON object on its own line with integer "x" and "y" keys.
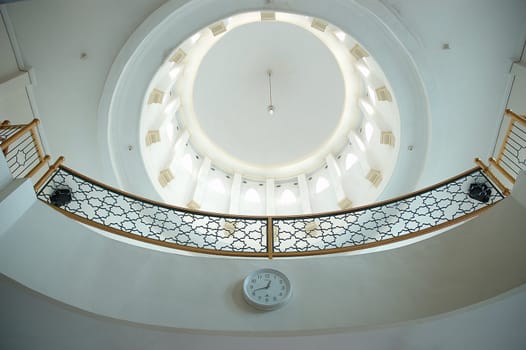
{"x": 270, "y": 85}
{"x": 270, "y": 108}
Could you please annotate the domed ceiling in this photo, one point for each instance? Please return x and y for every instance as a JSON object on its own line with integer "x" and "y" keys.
{"x": 269, "y": 113}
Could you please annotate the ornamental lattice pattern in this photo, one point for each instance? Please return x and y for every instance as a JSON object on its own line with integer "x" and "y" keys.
{"x": 125, "y": 213}
{"x": 165, "y": 224}
{"x": 425, "y": 210}
{"x": 513, "y": 158}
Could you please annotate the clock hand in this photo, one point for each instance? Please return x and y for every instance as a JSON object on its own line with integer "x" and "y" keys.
{"x": 266, "y": 287}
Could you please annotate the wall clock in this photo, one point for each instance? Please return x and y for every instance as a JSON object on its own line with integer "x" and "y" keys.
{"x": 267, "y": 289}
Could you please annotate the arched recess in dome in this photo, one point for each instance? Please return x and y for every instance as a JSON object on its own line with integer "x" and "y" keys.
{"x": 130, "y": 80}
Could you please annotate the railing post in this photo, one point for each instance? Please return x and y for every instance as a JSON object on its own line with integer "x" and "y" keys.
{"x": 505, "y": 191}
{"x": 4, "y": 145}
{"x": 270, "y": 237}
{"x": 48, "y": 173}
{"x": 503, "y": 171}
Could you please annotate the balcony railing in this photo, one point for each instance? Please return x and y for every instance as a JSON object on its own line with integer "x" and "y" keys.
{"x": 430, "y": 209}
{"x": 21, "y": 146}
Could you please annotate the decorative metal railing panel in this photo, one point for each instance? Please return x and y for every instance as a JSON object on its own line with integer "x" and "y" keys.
{"x": 512, "y": 155}
{"x": 126, "y": 214}
{"x": 388, "y": 221}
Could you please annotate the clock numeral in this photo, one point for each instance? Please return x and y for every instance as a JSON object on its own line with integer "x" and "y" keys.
{"x": 283, "y": 288}
{"x": 267, "y": 275}
{"x": 253, "y": 281}
{"x": 280, "y": 294}
{"x": 275, "y": 298}
{"x": 266, "y": 300}
{"x": 259, "y": 298}
{"x": 251, "y": 287}
{"x": 280, "y": 281}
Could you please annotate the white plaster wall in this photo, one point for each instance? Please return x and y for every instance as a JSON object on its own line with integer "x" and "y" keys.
{"x": 8, "y": 65}
{"x": 52, "y": 35}
{"x": 517, "y": 100}
{"x": 66, "y": 261}
{"x": 495, "y": 324}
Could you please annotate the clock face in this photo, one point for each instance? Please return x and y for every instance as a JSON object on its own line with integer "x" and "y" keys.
{"x": 266, "y": 289}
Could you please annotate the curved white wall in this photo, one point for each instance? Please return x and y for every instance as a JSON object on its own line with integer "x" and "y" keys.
{"x": 64, "y": 260}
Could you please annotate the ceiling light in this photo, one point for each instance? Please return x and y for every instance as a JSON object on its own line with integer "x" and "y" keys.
{"x": 340, "y": 35}
{"x": 322, "y": 184}
{"x": 218, "y": 186}
{"x": 252, "y": 195}
{"x": 170, "y": 130}
{"x": 270, "y": 108}
{"x": 174, "y": 73}
{"x": 368, "y": 131}
{"x": 172, "y": 106}
{"x": 350, "y": 160}
{"x": 195, "y": 37}
{"x": 288, "y": 197}
{"x": 371, "y": 93}
{"x": 360, "y": 143}
{"x": 187, "y": 162}
{"x": 362, "y": 68}
{"x": 367, "y": 106}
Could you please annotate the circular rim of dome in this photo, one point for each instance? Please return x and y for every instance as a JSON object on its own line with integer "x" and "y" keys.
{"x": 169, "y": 103}
{"x": 135, "y": 64}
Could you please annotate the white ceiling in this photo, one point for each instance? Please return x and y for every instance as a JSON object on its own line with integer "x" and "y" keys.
{"x": 231, "y": 93}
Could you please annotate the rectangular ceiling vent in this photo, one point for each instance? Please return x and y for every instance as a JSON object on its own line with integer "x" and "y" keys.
{"x": 165, "y": 176}
{"x": 375, "y": 177}
{"x": 152, "y": 136}
{"x": 178, "y": 56}
{"x": 217, "y": 28}
{"x": 156, "y": 96}
{"x": 318, "y": 24}
{"x": 387, "y": 138}
{"x": 358, "y": 52}
{"x": 345, "y": 203}
{"x": 268, "y": 15}
{"x": 383, "y": 94}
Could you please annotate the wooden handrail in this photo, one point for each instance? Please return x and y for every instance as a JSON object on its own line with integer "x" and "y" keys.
{"x": 4, "y": 145}
{"x": 505, "y": 191}
{"x": 48, "y": 173}
{"x": 521, "y": 119}
{"x": 503, "y": 171}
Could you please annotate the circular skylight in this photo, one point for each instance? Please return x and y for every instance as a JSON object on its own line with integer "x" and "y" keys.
{"x": 209, "y": 142}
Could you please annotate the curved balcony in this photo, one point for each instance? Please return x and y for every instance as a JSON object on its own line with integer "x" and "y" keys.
{"x": 107, "y": 208}
{"x": 427, "y": 210}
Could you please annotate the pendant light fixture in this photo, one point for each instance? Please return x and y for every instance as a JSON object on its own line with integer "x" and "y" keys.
{"x": 270, "y": 108}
